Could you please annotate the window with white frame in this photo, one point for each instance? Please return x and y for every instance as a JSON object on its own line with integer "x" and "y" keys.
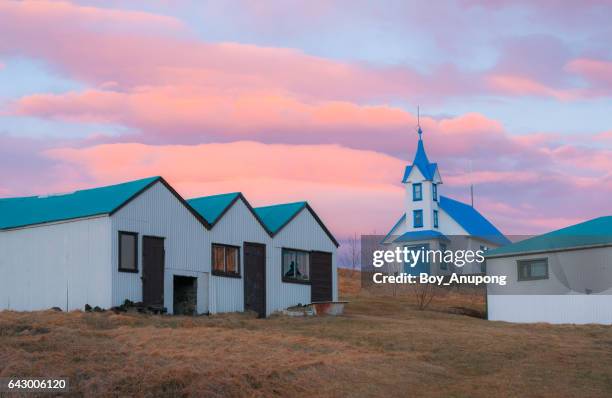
{"x": 417, "y": 192}
{"x": 296, "y": 265}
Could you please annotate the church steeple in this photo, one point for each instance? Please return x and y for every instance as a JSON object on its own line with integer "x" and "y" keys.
{"x": 421, "y": 162}
{"x": 421, "y": 179}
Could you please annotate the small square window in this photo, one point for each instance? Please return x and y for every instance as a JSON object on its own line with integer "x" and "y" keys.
{"x": 225, "y": 260}
{"x": 435, "y": 217}
{"x": 128, "y": 251}
{"x": 535, "y": 269}
{"x": 296, "y": 266}
{"x": 417, "y": 192}
{"x": 417, "y": 218}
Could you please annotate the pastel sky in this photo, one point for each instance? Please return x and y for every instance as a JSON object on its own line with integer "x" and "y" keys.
{"x": 315, "y": 100}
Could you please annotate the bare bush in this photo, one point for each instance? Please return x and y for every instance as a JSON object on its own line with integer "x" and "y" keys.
{"x": 424, "y": 294}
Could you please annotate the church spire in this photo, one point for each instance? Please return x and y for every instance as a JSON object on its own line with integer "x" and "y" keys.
{"x": 427, "y": 169}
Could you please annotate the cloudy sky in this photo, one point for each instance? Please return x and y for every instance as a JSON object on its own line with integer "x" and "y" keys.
{"x": 315, "y": 100}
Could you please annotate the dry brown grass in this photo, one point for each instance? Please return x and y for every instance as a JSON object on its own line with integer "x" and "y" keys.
{"x": 383, "y": 346}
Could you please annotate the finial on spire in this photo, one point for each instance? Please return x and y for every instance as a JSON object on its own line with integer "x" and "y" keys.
{"x": 419, "y": 131}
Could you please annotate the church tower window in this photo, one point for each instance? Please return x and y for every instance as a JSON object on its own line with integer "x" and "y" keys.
{"x": 417, "y": 221}
{"x": 417, "y": 192}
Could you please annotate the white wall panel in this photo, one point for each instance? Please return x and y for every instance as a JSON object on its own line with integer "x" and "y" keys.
{"x": 570, "y": 308}
{"x": 157, "y": 212}
{"x": 304, "y": 233}
{"x": 65, "y": 265}
{"x": 559, "y": 299}
{"x": 238, "y": 225}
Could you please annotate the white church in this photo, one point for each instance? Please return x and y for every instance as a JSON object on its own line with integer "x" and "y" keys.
{"x": 435, "y": 222}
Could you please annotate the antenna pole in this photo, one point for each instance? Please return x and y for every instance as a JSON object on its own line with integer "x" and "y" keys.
{"x": 472, "y": 193}
{"x": 471, "y": 184}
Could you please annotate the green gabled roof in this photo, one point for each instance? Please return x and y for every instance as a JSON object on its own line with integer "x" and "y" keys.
{"x": 32, "y": 210}
{"x": 212, "y": 207}
{"x": 596, "y": 232}
{"x": 275, "y": 217}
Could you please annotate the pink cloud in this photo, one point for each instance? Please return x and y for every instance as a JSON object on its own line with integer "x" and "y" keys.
{"x": 485, "y": 177}
{"x": 331, "y": 177}
{"x": 328, "y": 176}
{"x": 605, "y": 136}
{"x": 598, "y": 72}
{"x": 99, "y": 51}
{"x": 519, "y": 85}
{"x": 188, "y": 114}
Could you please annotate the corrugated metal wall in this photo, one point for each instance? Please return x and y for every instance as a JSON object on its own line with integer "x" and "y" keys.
{"x": 237, "y": 226}
{"x": 157, "y": 212}
{"x": 562, "y": 297}
{"x": 63, "y": 265}
{"x": 77, "y": 261}
{"x": 570, "y": 308}
{"x": 304, "y": 233}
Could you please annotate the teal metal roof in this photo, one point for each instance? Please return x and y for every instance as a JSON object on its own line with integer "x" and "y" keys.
{"x": 275, "y": 217}
{"x": 212, "y": 207}
{"x": 31, "y": 210}
{"x": 589, "y": 233}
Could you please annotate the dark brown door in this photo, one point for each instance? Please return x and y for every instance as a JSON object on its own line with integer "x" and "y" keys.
{"x": 255, "y": 278}
{"x": 320, "y": 276}
{"x": 153, "y": 257}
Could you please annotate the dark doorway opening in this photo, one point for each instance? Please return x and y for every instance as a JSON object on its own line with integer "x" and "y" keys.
{"x": 321, "y": 276}
{"x": 185, "y": 295}
{"x": 255, "y": 278}
{"x": 153, "y": 259}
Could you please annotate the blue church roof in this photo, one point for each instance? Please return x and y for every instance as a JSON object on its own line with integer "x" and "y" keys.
{"x": 472, "y": 221}
{"x": 420, "y": 235}
{"x": 421, "y": 162}
{"x": 401, "y": 220}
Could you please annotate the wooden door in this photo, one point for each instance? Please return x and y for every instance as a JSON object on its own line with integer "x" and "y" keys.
{"x": 321, "y": 277}
{"x": 153, "y": 260}
{"x": 255, "y": 278}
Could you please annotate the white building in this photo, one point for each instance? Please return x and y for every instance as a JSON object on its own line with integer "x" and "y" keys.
{"x": 254, "y": 250}
{"x": 564, "y": 276}
{"x": 303, "y": 266}
{"x": 99, "y": 247}
{"x": 140, "y": 241}
{"x": 432, "y": 221}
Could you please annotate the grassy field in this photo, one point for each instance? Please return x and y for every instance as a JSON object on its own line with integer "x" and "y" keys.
{"x": 383, "y": 346}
